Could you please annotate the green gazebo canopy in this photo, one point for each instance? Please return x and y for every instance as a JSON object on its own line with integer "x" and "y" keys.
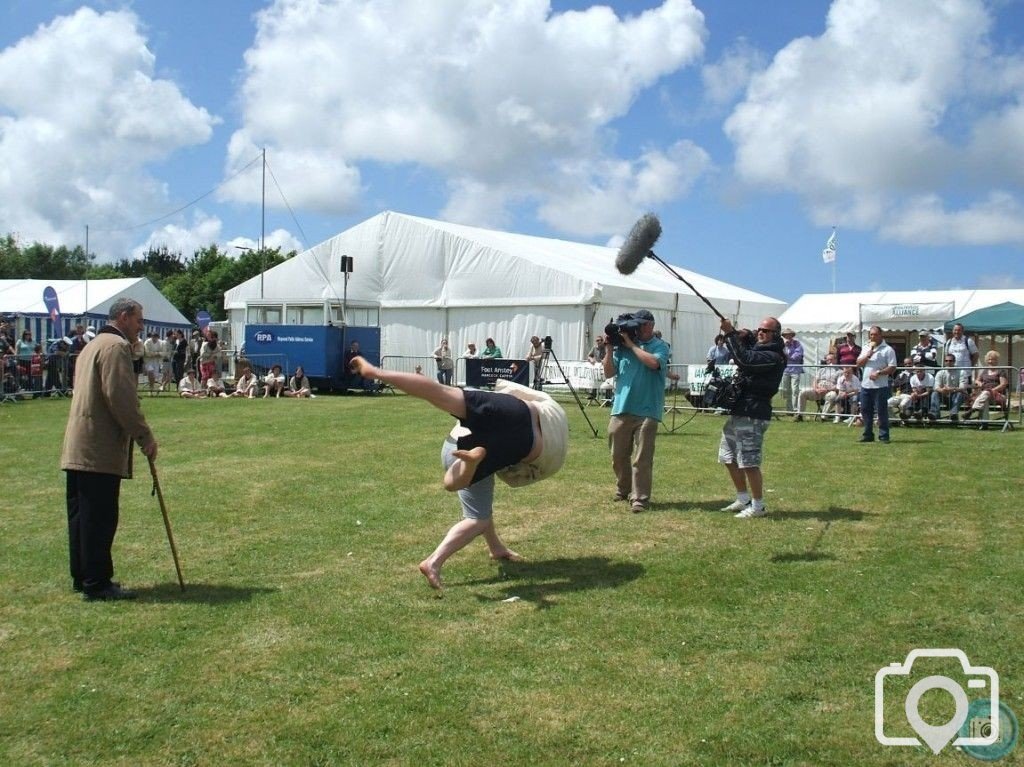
{"x": 1007, "y": 317}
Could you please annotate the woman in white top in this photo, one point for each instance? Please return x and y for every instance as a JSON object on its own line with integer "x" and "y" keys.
{"x": 298, "y": 384}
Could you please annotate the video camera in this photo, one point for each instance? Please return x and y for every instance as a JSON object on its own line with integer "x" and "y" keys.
{"x": 721, "y": 392}
{"x": 624, "y": 324}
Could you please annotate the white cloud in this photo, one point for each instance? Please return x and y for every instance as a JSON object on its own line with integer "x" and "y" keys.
{"x": 207, "y": 230}
{"x": 1000, "y": 282}
{"x": 728, "y": 77}
{"x": 494, "y": 95}
{"x": 186, "y": 240}
{"x": 81, "y": 116}
{"x": 995, "y": 220}
{"x": 605, "y": 196}
{"x": 892, "y": 105}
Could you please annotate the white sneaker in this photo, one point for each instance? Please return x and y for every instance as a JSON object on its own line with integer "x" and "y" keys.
{"x": 736, "y": 505}
{"x": 750, "y": 512}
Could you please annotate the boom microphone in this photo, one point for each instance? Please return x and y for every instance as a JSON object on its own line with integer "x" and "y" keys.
{"x": 638, "y": 244}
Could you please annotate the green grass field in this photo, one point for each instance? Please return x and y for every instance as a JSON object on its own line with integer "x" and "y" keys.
{"x": 680, "y": 636}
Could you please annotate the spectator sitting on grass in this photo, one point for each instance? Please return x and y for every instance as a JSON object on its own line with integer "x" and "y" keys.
{"x": 215, "y": 385}
{"x": 246, "y": 385}
{"x": 298, "y": 385}
{"x": 189, "y": 386}
{"x": 274, "y": 382}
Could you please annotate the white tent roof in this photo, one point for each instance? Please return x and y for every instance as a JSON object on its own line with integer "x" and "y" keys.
{"x": 78, "y": 298}
{"x": 837, "y": 313}
{"x": 407, "y": 261}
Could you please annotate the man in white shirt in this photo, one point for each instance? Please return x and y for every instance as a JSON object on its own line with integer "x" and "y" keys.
{"x": 879, "y": 362}
{"x": 963, "y": 348}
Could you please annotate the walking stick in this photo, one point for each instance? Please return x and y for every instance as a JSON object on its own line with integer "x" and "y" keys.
{"x": 167, "y": 521}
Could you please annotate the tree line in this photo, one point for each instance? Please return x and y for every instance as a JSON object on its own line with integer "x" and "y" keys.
{"x": 190, "y": 283}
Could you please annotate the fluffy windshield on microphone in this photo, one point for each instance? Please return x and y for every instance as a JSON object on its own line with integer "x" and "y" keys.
{"x": 638, "y": 244}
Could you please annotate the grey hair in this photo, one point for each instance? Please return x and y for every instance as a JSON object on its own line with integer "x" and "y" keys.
{"x": 122, "y": 306}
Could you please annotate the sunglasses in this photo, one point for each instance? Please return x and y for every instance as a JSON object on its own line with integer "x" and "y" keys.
{"x": 766, "y": 330}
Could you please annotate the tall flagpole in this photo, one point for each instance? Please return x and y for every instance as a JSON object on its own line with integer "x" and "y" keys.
{"x": 263, "y": 224}
{"x": 86, "y": 309}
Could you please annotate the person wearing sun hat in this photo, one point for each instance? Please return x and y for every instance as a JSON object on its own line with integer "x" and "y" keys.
{"x": 515, "y": 433}
{"x": 794, "y": 351}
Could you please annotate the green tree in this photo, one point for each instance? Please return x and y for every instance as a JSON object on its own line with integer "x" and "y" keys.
{"x": 157, "y": 265}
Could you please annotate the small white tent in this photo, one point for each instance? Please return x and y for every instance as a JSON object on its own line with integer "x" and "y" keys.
{"x": 422, "y": 280}
{"x": 819, "y": 318}
{"x": 85, "y": 301}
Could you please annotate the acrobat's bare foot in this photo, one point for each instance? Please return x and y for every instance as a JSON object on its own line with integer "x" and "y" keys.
{"x": 507, "y": 555}
{"x": 471, "y": 457}
{"x": 432, "y": 575}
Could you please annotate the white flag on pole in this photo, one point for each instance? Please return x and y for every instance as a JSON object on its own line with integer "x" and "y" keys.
{"x": 828, "y": 255}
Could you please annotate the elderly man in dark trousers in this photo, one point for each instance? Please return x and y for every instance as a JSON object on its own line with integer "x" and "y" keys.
{"x": 104, "y": 424}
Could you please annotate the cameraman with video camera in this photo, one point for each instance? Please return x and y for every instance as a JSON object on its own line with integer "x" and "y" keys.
{"x": 639, "y": 362}
{"x": 760, "y": 362}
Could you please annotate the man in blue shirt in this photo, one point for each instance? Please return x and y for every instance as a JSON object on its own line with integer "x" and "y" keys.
{"x": 640, "y": 365}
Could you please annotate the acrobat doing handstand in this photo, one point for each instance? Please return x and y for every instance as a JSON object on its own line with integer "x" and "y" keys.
{"x": 517, "y": 433}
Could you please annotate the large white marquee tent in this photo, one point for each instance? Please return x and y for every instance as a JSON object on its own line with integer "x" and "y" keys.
{"x": 819, "y": 318}
{"x": 423, "y": 279}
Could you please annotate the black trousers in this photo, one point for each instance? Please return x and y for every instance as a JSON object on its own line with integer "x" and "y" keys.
{"x": 92, "y": 523}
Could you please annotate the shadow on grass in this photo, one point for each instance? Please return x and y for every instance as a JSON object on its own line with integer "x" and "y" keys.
{"x": 538, "y": 582}
{"x": 804, "y": 556}
{"x": 832, "y": 514}
{"x": 199, "y": 593}
{"x": 812, "y": 554}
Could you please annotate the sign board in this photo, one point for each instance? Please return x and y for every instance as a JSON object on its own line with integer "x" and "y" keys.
{"x": 484, "y": 372}
{"x": 906, "y": 316}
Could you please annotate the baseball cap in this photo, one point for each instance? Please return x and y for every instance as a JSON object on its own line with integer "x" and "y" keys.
{"x": 643, "y": 315}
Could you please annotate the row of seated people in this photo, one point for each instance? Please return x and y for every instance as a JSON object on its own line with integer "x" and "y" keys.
{"x": 247, "y": 385}
{"x": 919, "y": 394}
{"x": 916, "y": 392}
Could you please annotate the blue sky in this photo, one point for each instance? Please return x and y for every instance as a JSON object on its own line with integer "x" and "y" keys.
{"x": 750, "y": 130}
